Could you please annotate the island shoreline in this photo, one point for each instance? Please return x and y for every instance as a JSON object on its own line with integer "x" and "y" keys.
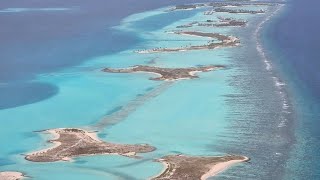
{"x": 11, "y": 175}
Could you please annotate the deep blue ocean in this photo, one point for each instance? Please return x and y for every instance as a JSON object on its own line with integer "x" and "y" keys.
{"x": 34, "y": 43}
{"x": 293, "y": 42}
{"x": 37, "y": 43}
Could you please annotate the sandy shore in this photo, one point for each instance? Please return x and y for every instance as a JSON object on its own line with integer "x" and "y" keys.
{"x": 11, "y": 175}
{"x": 55, "y": 144}
{"x": 166, "y": 167}
{"x": 183, "y": 167}
{"x": 218, "y": 168}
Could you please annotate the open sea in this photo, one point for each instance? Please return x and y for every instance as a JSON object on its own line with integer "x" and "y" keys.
{"x": 265, "y": 104}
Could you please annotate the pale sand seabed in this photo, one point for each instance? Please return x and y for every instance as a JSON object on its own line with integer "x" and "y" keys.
{"x": 11, "y": 175}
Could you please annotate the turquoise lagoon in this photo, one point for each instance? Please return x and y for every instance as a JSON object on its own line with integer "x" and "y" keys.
{"x": 216, "y": 114}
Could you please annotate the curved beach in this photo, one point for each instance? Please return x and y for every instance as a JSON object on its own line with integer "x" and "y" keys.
{"x": 192, "y": 167}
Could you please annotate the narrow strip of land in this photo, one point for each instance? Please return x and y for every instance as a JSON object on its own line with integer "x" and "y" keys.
{"x": 239, "y": 11}
{"x": 225, "y": 41}
{"x": 166, "y": 74}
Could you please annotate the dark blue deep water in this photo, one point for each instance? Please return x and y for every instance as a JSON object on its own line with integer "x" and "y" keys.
{"x": 35, "y": 42}
{"x": 162, "y": 20}
{"x": 293, "y": 39}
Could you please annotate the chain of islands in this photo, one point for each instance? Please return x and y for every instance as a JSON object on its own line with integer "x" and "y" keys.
{"x": 69, "y": 143}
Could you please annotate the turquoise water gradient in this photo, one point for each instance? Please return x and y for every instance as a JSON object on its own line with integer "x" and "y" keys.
{"x": 188, "y": 116}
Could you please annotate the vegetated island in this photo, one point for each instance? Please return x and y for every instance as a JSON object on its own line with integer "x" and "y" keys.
{"x": 71, "y": 142}
{"x": 240, "y": 3}
{"x": 231, "y": 22}
{"x": 11, "y": 175}
{"x": 224, "y": 4}
{"x": 187, "y": 25}
{"x": 224, "y": 22}
{"x": 186, "y": 7}
{"x": 182, "y": 167}
{"x": 218, "y": 5}
{"x": 166, "y": 74}
{"x": 239, "y": 11}
{"x": 225, "y": 41}
{"x": 220, "y": 37}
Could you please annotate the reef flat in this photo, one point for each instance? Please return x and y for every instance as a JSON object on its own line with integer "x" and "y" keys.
{"x": 71, "y": 142}
{"x": 166, "y": 74}
{"x": 182, "y": 167}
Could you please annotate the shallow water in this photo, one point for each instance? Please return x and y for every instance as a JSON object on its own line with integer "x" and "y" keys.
{"x": 236, "y": 110}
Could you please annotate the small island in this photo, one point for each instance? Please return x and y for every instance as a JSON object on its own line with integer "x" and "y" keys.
{"x": 239, "y": 4}
{"x": 224, "y": 4}
{"x": 71, "y": 142}
{"x": 166, "y": 74}
{"x": 239, "y": 11}
{"x": 225, "y": 41}
{"x": 224, "y": 22}
{"x": 220, "y": 37}
{"x": 11, "y": 175}
{"x": 186, "y": 7}
{"x": 187, "y": 25}
{"x": 182, "y": 167}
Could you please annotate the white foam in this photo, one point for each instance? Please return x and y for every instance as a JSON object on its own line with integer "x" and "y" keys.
{"x": 268, "y": 65}
{"x": 277, "y": 82}
{"x": 17, "y": 10}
